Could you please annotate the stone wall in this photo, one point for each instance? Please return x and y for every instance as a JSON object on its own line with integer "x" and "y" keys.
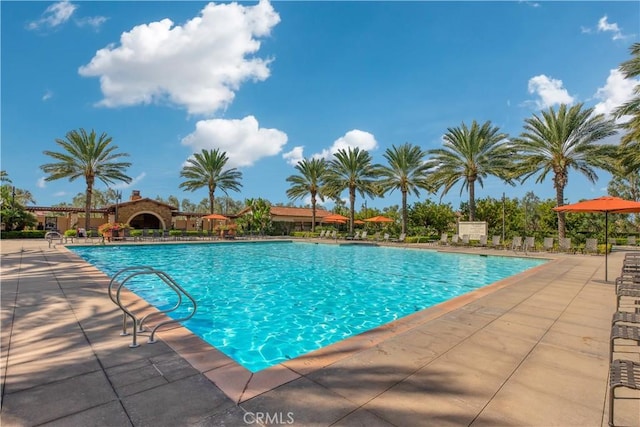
{"x": 129, "y": 211}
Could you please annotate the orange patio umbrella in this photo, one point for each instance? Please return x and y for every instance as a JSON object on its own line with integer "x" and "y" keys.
{"x": 215, "y": 216}
{"x": 334, "y": 218}
{"x": 606, "y": 204}
{"x": 379, "y": 218}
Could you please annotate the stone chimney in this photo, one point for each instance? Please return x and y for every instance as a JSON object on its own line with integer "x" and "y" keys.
{"x": 135, "y": 195}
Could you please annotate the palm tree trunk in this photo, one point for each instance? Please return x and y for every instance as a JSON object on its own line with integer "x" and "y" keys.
{"x": 87, "y": 205}
{"x": 313, "y": 212}
{"x": 561, "y": 219}
{"x": 404, "y": 211}
{"x": 472, "y": 200}
{"x": 352, "y": 205}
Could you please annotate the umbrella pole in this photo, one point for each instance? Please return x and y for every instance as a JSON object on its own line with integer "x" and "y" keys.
{"x": 606, "y": 245}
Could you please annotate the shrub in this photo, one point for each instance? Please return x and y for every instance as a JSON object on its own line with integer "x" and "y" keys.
{"x": 71, "y": 233}
{"x": 24, "y": 234}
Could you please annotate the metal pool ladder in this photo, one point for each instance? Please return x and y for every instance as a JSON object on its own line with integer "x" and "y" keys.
{"x": 138, "y": 323}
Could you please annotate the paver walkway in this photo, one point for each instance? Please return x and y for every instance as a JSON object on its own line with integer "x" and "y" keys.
{"x": 533, "y": 352}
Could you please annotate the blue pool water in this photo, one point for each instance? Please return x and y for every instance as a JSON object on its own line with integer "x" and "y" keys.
{"x": 263, "y": 303}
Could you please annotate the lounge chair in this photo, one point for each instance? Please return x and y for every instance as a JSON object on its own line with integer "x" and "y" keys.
{"x": 631, "y": 241}
{"x": 400, "y": 239}
{"x": 529, "y": 244}
{"x": 565, "y": 245}
{"x": 516, "y": 243}
{"x": 591, "y": 247}
{"x": 363, "y": 236}
{"x": 483, "y": 241}
{"x": 622, "y": 373}
{"x": 321, "y": 235}
{"x": 455, "y": 240}
{"x": 495, "y": 241}
{"x": 385, "y": 238}
{"x": 444, "y": 239}
{"x": 465, "y": 240}
{"x": 547, "y": 244}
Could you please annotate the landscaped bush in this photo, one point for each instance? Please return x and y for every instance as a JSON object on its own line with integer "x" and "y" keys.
{"x": 70, "y": 233}
{"x": 135, "y": 233}
{"x": 175, "y": 233}
{"x": 24, "y": 234}
{"x": 304, "y": 234}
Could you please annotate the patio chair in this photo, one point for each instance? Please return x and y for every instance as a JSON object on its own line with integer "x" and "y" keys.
{"x": 565, "y": 245}
{"x": 516, "y": 243}
{"x": 631, "y": 241}
{"x": 455, "y": 240}
{"x": 465, "y": 240}
{"x": 495, "y": 241}
{"x": 400, "y": 238}
{"x": 622, "y": 373}
{"x": 482, "y": 241}
{"x": 529, "y": 244}
{"x": 321, "y": 235}
{"x": 547, "y": 244}
{"x": 444, "y": 239}
{"x": 385, "y": 237}
{"x": 591, "y": 247}
{"x": 363, "y": 236}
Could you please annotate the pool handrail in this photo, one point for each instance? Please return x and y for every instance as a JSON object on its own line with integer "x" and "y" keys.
{"x": 138, "y": 324}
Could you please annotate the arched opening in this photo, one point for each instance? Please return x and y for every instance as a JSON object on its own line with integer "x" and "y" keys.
{"x": 146, "y": 220}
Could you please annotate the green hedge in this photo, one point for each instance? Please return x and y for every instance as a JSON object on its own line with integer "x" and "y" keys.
{"x": 29, "y": 234}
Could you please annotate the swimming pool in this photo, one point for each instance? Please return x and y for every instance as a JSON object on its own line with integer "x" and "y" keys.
{"x": 262, "y": 303}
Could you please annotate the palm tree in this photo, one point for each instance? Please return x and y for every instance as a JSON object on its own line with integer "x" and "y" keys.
{"x": 563, "y": 140}
{"x": 309, "y": 181}
{"x": 407, "y": 172}
{"x": 470, "y": 155}
{"x": 205, "y": 169}
{"x": 4, "y": 176}
{"x": 351, "y": 169}
{"x": 86, "y": 155}
{"x": 631, "y": 141}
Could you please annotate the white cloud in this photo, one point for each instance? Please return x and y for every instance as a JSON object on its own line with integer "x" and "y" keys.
{"x": 605, "y": 26}
{"x": 198, "y": 65}
{"x": 294, "y": 156}
{"x": 616, "y": 91}
{"x": 47, "y": 95}
{"x": 134, "y": 181}
{"x": 550, "y": 91}
{"x": 60, "y": 194}
{"x": 55, "y": 15}
{"x": 41, "y": 183}
{"x": 94, "y": 22}
{"x": 244, "y": 141}
{"x": 352, "y": 139}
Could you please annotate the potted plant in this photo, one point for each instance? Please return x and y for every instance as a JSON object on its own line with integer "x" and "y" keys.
{"x": 111, "y": 230}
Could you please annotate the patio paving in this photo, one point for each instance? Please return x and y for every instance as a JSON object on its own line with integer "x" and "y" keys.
{"x": 531, "y": 350}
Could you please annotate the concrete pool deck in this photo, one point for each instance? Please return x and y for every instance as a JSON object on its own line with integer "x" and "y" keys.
{"x": 530, "y": 350}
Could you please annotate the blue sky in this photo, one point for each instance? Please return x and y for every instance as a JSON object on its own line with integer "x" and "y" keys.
{"x": 270, "y": 83}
